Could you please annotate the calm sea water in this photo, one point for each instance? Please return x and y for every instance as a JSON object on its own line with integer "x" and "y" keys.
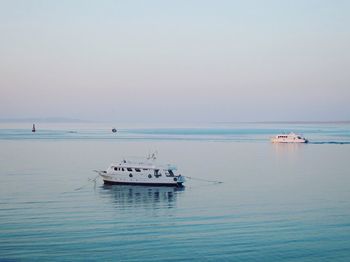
{"x": 276, "y": 202}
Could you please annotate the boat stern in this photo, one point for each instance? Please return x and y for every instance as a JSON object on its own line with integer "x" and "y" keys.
{"x": 180, "y": 180}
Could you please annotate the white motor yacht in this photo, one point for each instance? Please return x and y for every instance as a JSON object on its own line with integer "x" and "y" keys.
{"x": 142, "y": 172}
{"x": 289, "y": 138}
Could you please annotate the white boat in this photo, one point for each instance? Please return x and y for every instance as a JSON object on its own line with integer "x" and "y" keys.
{"x": 142, "y": 172}
{"x": 289, "y": 138}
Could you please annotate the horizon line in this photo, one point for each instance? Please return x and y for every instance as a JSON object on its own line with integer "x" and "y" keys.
{"x": 77, "y": 120}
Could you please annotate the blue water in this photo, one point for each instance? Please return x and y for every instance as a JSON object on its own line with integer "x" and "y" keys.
{"x": 276, "y": 202}
{"x": 316, "y": 133}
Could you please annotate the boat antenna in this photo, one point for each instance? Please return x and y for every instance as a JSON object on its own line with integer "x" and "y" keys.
{"x": 152, "y": 156}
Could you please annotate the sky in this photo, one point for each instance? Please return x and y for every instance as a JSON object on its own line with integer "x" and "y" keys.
{"x": 181, "y": 60}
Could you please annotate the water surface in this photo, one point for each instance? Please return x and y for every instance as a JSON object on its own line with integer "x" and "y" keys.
{"x": 276, "y": 202}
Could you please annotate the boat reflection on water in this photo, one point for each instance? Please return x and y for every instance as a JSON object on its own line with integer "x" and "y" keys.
{"x": 288, "y": 148}
{"x": 142, "y": 196}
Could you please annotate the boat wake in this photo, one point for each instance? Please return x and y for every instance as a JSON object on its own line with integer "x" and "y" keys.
{"x": 330, "y": 142}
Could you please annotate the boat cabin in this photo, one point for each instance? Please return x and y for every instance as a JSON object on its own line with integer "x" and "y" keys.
{"x": 156, "y": 171}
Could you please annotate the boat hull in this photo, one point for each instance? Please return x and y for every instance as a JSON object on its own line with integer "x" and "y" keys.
{"x": 108, "y": 182}
{"x": 126, "y": 180}
{"x": 289, "y": 141}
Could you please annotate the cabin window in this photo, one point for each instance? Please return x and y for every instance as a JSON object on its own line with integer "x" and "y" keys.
{"x": 129, "y": 169}
{"x": 137, "y": 169}
{"x": 115, "y": 169}
{"x": 130, "y": 175}
{"x": 122, "y": 169}
{"x": 157, "y": 173}
{"x": 170, "y": 172}
{"x": 149, "y": 176}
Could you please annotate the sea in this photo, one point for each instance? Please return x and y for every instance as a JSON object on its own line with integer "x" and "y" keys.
{"x": 245, "y": 198}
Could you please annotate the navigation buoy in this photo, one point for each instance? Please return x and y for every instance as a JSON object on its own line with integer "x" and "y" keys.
{"x": 33, "y": 129}
{"x": 114, "y": 130}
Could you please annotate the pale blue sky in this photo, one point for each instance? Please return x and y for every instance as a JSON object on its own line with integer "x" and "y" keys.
{"x": 175, "y": 60}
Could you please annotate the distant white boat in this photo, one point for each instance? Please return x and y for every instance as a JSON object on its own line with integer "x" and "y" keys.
{"x": 289, "y": 138}
{"x": 144, "y": 172}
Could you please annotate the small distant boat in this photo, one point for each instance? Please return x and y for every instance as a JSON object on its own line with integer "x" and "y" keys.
{"x": 141, "y": 172}
{"x": 114, "y": 130}
{"x": 289, "y": 138}
{"x": 33, "y": 129}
